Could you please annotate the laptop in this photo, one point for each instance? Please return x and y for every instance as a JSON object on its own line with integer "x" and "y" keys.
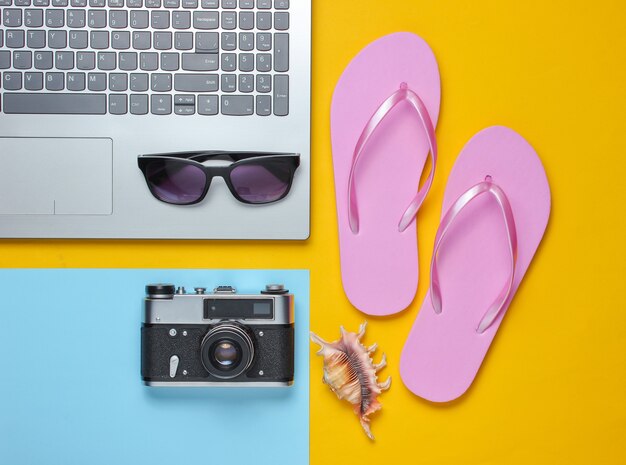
{"x": 90, "y": 86}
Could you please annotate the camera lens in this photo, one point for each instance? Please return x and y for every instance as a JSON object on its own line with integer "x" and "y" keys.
{"x": 227, "y": 354}
{"x": 227, "y": 350}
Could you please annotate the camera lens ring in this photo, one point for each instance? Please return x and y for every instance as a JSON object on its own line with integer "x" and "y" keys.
{"x": 234, "y": 335}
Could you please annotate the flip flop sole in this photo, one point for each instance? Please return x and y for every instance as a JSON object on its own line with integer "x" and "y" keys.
{"x": 444, "y": 351}
{"x": 379, "y": 264}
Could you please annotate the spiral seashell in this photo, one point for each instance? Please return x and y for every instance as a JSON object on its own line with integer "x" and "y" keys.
{"x": 350, "y": 373}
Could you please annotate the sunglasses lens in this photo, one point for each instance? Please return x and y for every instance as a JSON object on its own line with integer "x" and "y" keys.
{"x": 263, "y": 182}
{"x": 175, "y": 182}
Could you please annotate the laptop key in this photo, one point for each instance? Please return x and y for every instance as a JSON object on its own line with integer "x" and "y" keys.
{"x": 36, "y": 39}
{"x": 76, "y": 19}
{"x": 57, "y": 39}
{"x": 118, "y": 82}
{"x": 161, "y": 104}
{"x": 12, "y": 17}
{"x": 57, "y": 104}
{"x": 169, "y": 61}
{"x": 200, "y": 62}
{"x": 43, "y": 60}
{"x": 149, "y": 61}
{"x": 237, "y": 105}
{"x": 246, "y": 62}
{"x": 229, "y": 41}
{"x": 246, "y": 41}
{"x": 246, "y": 20}
{"x": 281, "y": 21}
{"x": 281, "y": 52}
{"x": 97, "y": 19}
{"x": 264, "y": 41}
{"x": 139, "y": 19}
{"x": 33, "y": 18}
{"x": 263, "y": 105}
{"x": 263, "y": 83}
{"x": 22, "y": 59}
{"x": 5, "y": 59}
{"x": 281, "y": 4}
{"x": 207, "y": 42}
{"x": 79, "y": 39}
{"x": 75, "y": 81}
{"x": 161, "y": 82}
{"x": 141, "y": 40}
{"x": 118, "y": 104}
{"x": 196, "y": 82}
{"x": 229, "y": 62}
{"x": 281, "y": 95}
{"x": 210, "y": 4}
{"x": 11, "y": 81}
{"x": 107, "y": 61}
{"x": 160, "y": 19}
{"x": 264, "y": 20}
{"x": 118, "y": 19}
{"x": 183, "y": 40}
{"x": 64, "y": 60}
{"x": 33, "y": 81}
{"x": 14, "y": 38}
{"x": 85, "y": 60}
{"x": 181, "y": 20}
{"x": 264, "y": 4}
{"x": 139, "y": 82}
{"x": 263, "y": 62}
{"x": 55, "y": 81}
{"x": 246, "y": 83}
{"x": 97, "y": 82}
{"x": 99, "y": 39}
{"x": 229, "y": 82}
{"x": 139, "y": 104}
{"x": 229, "y": 20}
{"x": 128, "y": 61}
{"x": 163, "y": 40}
{"x": 206, "y": 19}
{"x": 55, "y": 18}
{"x": 207, "y": 105}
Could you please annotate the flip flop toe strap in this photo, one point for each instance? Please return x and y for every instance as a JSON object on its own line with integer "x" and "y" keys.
{"x": 485, "y": 187}
{"x": 401, "y": 95}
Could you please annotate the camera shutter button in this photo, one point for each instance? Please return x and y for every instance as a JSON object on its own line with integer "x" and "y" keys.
{"x": 174, "y": 365}
{"x": 200, "y": 290}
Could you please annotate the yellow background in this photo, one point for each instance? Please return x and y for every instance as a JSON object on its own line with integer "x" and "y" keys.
{"x": 553, "y": 386}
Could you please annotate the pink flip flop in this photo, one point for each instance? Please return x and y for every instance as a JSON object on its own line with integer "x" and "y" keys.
{"x": 383, "y": 114}
{"x": 495, "y": 211}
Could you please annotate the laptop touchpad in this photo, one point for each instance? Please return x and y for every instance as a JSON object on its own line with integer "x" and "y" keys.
{"x": 56, "y": 176}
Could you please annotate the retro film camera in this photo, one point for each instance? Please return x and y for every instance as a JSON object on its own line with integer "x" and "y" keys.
{"x": 218, "y": 339}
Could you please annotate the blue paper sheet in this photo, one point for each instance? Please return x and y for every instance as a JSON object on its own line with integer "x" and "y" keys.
{"x": 70, "y": 385}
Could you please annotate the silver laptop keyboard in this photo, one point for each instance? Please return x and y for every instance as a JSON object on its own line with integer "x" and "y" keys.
{"x": 138, "y": 57}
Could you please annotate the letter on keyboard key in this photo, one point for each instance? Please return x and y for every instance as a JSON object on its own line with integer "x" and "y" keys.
{"x": 11, "y": 81}
{"x": 36, "y": 39}
{"x": 237, "y": 105}
{"x": 55, "y": 104}
{"x": 33, "y": 81}
{"x": 200, "y": 62}
{"x": 195, "y": 82}
{"x": 281, "y": 95}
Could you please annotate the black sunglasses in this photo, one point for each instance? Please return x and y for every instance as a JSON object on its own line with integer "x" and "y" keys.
{"x": 252, "y": 177}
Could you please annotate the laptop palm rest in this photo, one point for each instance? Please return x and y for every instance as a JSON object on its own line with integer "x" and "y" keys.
{"x": 56, "y": 176}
